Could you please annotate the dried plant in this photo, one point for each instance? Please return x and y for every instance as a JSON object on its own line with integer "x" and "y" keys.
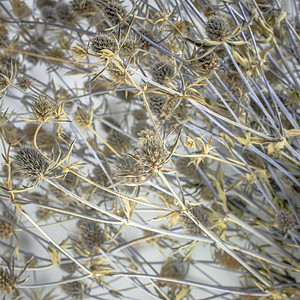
{"x": 150, "y": 149}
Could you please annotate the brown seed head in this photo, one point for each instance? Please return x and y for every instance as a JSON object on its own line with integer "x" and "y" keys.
{"x": 285, "y": 220}
{"x": 31, "y": 165}
{"x": 162, "y": 72}
{"x": 217, "y": 28}
{"x": 8, "y": 281}
{"x": 103, "y": 42}
{"x": 83, "y": 118}
{"x": 44, "y": 109}
{"x": 151, "y": 153}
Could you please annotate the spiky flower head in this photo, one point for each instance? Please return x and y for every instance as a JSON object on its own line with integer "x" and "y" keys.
{"x": 128, "y": 169}
{"x": 83, "y": 7}
{"x": 162, "y": 72}
{"x": 160, "y": 107}
{"x": 143, "y": 43}
{"x": 31, "y": 165}
{"x": 201, "y": 214}
{"x": 207, "y": 63}
{"x": 102, "y": 42}
{"x": 113, "y": 10}
{"x": 44, "y": 109}
{"x": 6, "y": 229}
{"x": 70, "y": 267}
{"x": 83, "y": 118}
{"x": 75, "y": 290}
{"x": 216, "y": 28}
{"x": 120, "y": 142}
{"x": 285, "y": 220}
{"x": 8, "y": 281}
{"x": 151, "y": 153}
{"x": 64, "y": 13}
{"x": 227, "y": 261}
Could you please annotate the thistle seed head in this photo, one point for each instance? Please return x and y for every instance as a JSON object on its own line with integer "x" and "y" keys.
{"x": 127, "y": 49}
{"x": 160, "y": 107}
{"x": 8, "y": 281}
{"x": 227, "y": 261}
{"x": 43, "y": 109}
{"x": 285, "y": 220}
{"x": 31, "y": 165}
{"x": 162, "y": 72}
{"x": 128, "y": 169}
{"x": 151, "y": 153}
{"x": 112, "y": 10}
{"x": 207, "y": 63}
{"x": 75, "y": 289}
{"x": 70, "y": 267}
{"x": 12, "y": 135}
{"x": 6, "y": 229}
{"x": 120, "y": 142}
{"x": 24, "y": 82}
{"x": 48, "y": 13}
{"x": 216, "y": 28}
{"x": 83, "y": 7}
{"x": 103, "y": 42}
{"x": 64, "y": 13}
{"x": 143, "y": 43}
{"x": 200, "y": 213}
{"x": 83, "y": 118}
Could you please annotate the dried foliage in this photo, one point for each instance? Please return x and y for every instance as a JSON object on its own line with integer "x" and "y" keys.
{"x": 150, "y": 149}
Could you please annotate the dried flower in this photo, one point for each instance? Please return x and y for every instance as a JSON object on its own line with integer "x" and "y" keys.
{"x": 31, "y": 165}
{"x": 216, "y": 28}
{"x": 12, "y": 135}
{"x": 102, "y": 42}
{"x": 151, "y": 153}
{"x": 162, "y": 72}
{"x": 200, "y": 213}
{"x": 44, "y": 109}
{"x": 64, "y": 13}
{"x": 144, "y": 44}
{"x": 128, "y": 169}
{"x": 8, "y": 281}
{"x": 83, "y": 118}
{"x": 227, "y": 261}
{"x": 6, "y": 229}
{"x": 24, "y": 82}
{"x": 75, "y": 290}
{"x": 83, "y": 7}
{"x": 112, "y": 9}
{"x": 285, "y": 220}
{"x": 120, "y": 142}
{"x": 48, "y": 13}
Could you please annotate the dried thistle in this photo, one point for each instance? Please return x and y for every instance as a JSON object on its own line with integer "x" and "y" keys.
{"x": 217, "y": 28}
{"x": 227, "y": 261}
{"x": 24, "y": 82}
{"x": 6, "y": 228}
{"x": 75, "y": 290}
{"x": 285, "y": 220}
{"x": 83, "y": 118}
{"x": 201, "y": 214}
{"x": 162, "y": 72}
{"x": 65, "y": 13}
{"x": 129, "y": 170}
{"x": 31, "y": 165}
{"x": 151, "y": 153}
{"x": 120, "y": 142}
{"x": 112, "y": 10}
{"x": 102, "y": 42}
{"x": 44, "y": 109}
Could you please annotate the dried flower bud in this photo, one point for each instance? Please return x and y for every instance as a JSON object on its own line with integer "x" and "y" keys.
{"x": 144, "y": 44}
{"x": 112, "y": 9}
{"x": 6, "y": 229}
{"x": 285, "y": 220}
{"x": 216, "y": 28}
{"x": 31, "y": 165}
{"x": 162, "y": 72}
{"x": 129, "y": 170}
{"x": 227, "y": 261}
{"x": 75, "y": 290}
{"x": 120, "y": 142}
{"x": 83, "y": 118}
{"x": 103, "y": 42}
{"x": 44, "y": 109}
{"x": 24, "y": 82}
{"x": 151, "y": 153}
{"x": 12, "y": 135}
{"x": 64, "y": 13}
{"x": 7, "y": 281}
{"x": 200, "y": 213}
